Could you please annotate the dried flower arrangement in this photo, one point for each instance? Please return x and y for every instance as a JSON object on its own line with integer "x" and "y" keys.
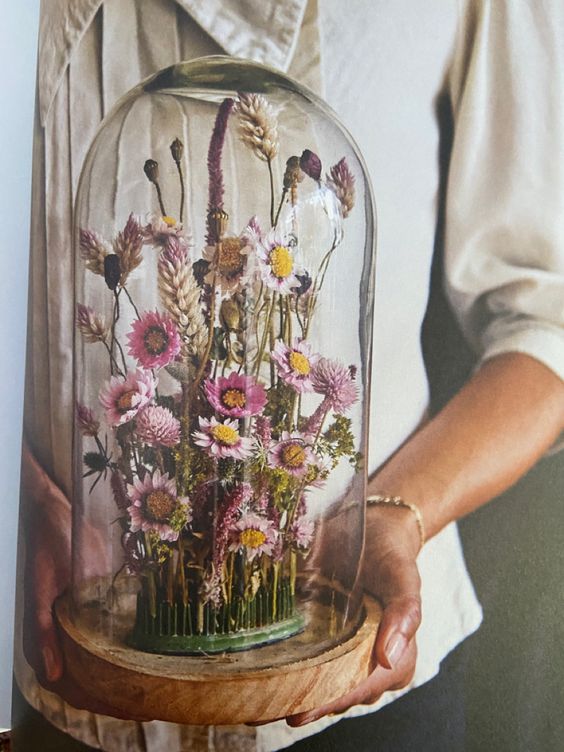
{"x": 211, "y": 481}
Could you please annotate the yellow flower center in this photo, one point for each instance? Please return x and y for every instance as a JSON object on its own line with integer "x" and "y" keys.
{"x": 299, "y": 363}
{"x": 233, "y": 398}
{"x": 281, "y": 261}
{"x": 293, "y": 455}
{"x": 230, "y": 260}
{"x": 159, "y": 505}
{"x": 169, "y": 221}
{"x": 156, "y": 340}
{"x": 225, "y": 435}
{"x": 252, "y": 538}
{"x": 125, "y": 402}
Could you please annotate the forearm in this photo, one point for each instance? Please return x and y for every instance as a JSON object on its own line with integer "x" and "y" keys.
{"x": 501, "y": 422}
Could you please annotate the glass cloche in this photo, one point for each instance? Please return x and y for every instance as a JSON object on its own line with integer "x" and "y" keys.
{"x": 224, "y": 270}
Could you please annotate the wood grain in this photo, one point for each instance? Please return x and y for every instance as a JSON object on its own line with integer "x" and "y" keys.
{"x": 212, "y": 691}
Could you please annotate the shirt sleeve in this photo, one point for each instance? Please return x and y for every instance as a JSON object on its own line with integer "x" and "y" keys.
{"x": 504, "y": 248}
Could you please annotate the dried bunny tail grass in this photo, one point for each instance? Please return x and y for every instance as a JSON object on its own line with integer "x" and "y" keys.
{"x": 93, "y": 249}
{"x": 91, "y": 325}
{"x": 128, "y": 245}
{"x": 259, "y": 125}
{"x": 180, "y": 295}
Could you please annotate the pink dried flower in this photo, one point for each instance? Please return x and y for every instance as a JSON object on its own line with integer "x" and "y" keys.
{"x": 292, "y": 453}
{"x": 215, "y": 172}
{"x": 91, "y": 325}
{"x": 155, "y": 504}
{"x": 301, "y": 532}
{"x": 93, "y": 249}
{"x": 157, "y": 426}
{"x": 127, "y": 246}
{"x": 154, "y": 340}
{"x": 277, "y": 263}
{"x": 160, "y": 231}
{"x": 295, "y": 364}
{"x": 236, "y": 502}
{"x": 86, "y": 420}
{"x": 335, "y": 382}
{"x": 311, "y": 164}
{"x": 263, "y": 430}
{"x": 341, "y": 181}
{"x": 237, "y": 396}
{"x": 222, "y": 440}
{"x": 229, "y": 262}
{"x": 123, "y": 398}
{"x": 254, "y": 535}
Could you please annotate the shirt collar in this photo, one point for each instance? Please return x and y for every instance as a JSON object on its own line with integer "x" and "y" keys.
{"x": 265, "y": 31}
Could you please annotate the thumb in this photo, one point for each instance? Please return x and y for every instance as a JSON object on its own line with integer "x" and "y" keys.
{"x": 397, "y": 585}
{"x": 45, "y": 591}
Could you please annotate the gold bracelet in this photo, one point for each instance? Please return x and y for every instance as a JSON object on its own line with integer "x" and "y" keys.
{"x": 397, "y": 501}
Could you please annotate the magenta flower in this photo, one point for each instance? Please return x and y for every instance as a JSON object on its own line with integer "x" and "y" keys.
{"x": 292, "y": 453}
{"x": 124, "y": 398}
{"x": 156, "y": 506}
{"x": 154, "y": 340}
{"x": 86, "y": 420}
{"x": 278, "y": 266}
{"x": 336, "y": 383}
{"x": 295, "y": 364}
{"x": 254, "y": 535}
{"x": 236, "y": 396}
{"x": 157, "y": 426}
{"x": 223, "y": 439}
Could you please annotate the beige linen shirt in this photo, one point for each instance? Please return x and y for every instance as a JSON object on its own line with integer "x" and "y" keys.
{"x": 383, "y": 67}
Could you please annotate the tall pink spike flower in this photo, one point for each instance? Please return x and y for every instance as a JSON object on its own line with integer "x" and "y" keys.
{"x": 216, "y": 187}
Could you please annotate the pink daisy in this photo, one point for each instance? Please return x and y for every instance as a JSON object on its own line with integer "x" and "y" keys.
{"x": 223, "y": 439}
{"x": 157, "y": 426}
{"x": 154, "y": 340}
{"x": 154, "y": 504}
{"x": 237, "y": 396}
{"x": 123, "y": 398}
{"x": 336, "y": 382}
{"x": 293, "y": 453}
{"x": 160, "y": 230}
{"x": 254, "y": 535}
{"x": 295, "y": 364}
{"x": 279, "y": 269}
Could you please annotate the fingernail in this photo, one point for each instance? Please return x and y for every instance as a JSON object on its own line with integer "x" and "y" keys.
{"x": 395, "y": 648}
{"x": 49, "y": 662}
{"x": 307, "y": 718}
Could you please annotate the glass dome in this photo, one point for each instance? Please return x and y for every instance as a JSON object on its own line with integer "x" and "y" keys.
{"x": 224, "y": 270}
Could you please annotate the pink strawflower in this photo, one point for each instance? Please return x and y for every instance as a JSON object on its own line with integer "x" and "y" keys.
{"x": 254, "y": 535}
{"x": 236, "y": 396}
{"x": 123, "y": 398}
{"x": 155, "y": 506}
{"x": 86, "y": 420}
{"x": 336, "y": 383}
{"x": 278, "y": 266}
{"x": 292, "y": 453}
{"x": 157, "y": 426}
{"x": 161, "y": 230}
{"x": 223, "y": 439}
{"x": 154, "y": 340}
{"x": 301, "y": 532}
{"x": 229, "y": 262}
{"x": 295, "y": 364}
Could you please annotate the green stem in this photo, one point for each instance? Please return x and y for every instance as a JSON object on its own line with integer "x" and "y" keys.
{"x": 271, "y": 176}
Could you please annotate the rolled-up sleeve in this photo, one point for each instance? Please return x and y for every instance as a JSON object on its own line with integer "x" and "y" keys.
{"x": 504, "y": 253}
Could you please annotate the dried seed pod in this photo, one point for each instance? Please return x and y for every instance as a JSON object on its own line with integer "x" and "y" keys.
{"x": 177, "y": 150}
{"x": 311, "y": 164}
{"x": 112, "y": 270}
{"x": 151, "y": 169}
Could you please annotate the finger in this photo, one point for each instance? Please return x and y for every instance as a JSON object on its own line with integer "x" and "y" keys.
{"x": 397, "y": 585}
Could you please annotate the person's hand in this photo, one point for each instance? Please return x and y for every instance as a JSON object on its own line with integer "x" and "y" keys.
{"x": 390, "y": 574}
{"x": 47, "y": 520}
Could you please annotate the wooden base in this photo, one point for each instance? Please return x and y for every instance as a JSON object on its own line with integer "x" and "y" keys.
{"x": 218, "y": 690}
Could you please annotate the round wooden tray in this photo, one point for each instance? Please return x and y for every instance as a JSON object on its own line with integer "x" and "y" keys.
{"x": 218, "y": 690}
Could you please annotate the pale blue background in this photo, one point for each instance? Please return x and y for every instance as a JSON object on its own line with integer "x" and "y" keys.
{"x": 18, "y": 46}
